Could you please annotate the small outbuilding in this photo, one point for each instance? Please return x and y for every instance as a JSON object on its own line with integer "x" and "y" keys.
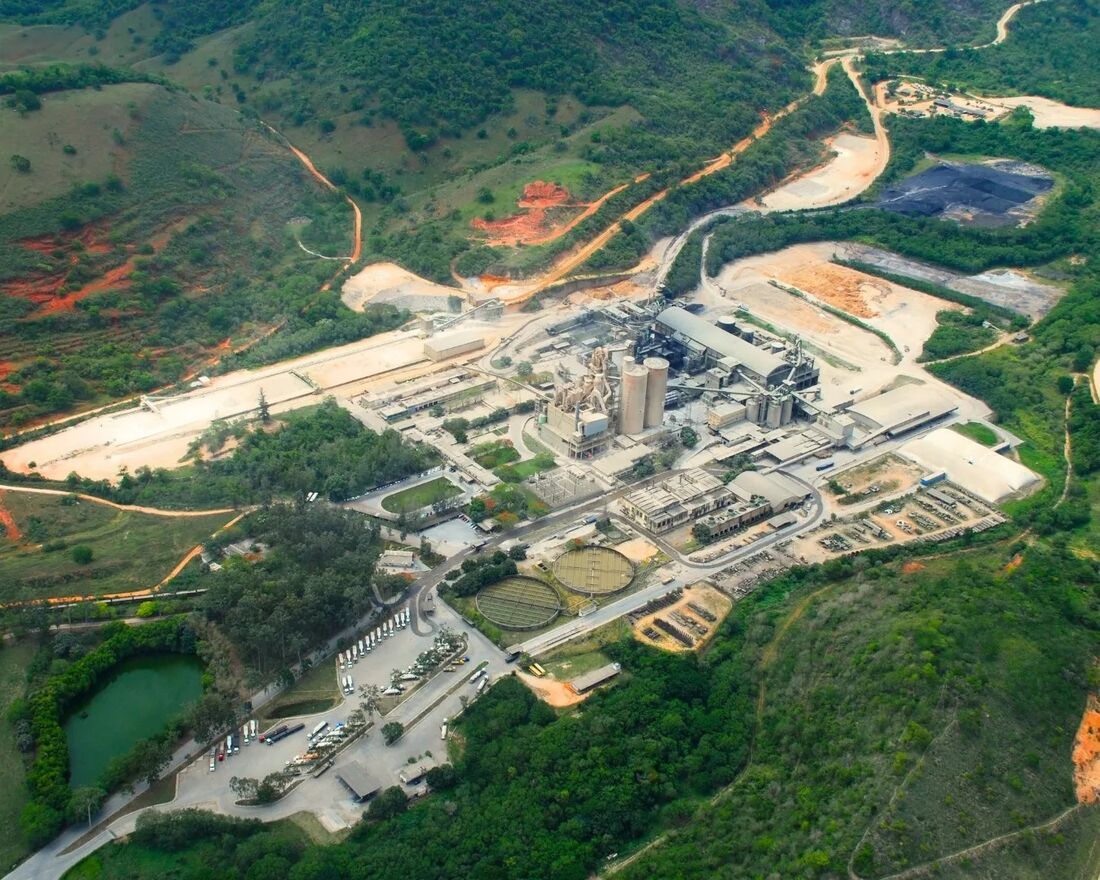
{"x": 358, "y": 781}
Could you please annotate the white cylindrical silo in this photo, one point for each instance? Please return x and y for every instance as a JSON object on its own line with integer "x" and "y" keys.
{"x": 655, "y": 391}
{"x": 788, "y": 409}
{"x": 752, "y": 410}
{"x": 632, "y": 393}
{"x": 775, "y": 412}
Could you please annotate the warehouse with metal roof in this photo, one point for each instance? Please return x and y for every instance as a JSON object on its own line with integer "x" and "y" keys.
{"x": 901, "y": 409}
{"x": 759, "y": 365}
{"x": 779, "y": 490}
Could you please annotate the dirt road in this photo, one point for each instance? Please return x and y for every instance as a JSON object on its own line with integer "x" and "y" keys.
{"x": 136, "y": 508}
{"x": 357, "y": 229}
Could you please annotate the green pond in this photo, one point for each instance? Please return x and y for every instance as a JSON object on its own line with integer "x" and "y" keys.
{"x": 132, "y": 703}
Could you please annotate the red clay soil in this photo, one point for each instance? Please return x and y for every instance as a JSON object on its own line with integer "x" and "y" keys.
{"x": 7, "y": 522}
{"x": 113, "y": 279}
{"x": 1086, "y": 754}
{"x": 532, "y": 226}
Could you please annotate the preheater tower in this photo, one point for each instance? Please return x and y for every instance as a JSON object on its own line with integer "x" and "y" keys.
{"x": 632, "y": 400}
{"x": 656, "y": 389}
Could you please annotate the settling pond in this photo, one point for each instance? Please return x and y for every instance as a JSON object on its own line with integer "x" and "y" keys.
{"x": 134, "y": 702}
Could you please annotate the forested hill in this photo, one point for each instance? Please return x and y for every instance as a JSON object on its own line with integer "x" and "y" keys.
{"x": 696, "y": 72}
{"x": 441, "y": 66}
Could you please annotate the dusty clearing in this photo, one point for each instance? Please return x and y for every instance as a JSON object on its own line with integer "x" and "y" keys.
{"x": 550, "y": 691}
{"x": 912, "y": 567}
{"x": 1052, "y": 114}
{"x": 856, "y": 163}
{"x": 638, "y": 550}
{"x": 883, "y": 471}
{"x": 389, "y": 283}
{"x": 703, "y": 595}
{"x": 1086, "y": 754}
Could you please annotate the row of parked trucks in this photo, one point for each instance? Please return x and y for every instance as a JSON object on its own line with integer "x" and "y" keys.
{"x": 245, "y": 734}
{"x": 365, "y": 644}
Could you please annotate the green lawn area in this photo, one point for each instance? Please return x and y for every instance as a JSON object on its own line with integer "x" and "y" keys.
{"x": 424, "y": 495}
{"x": 521, "y": 470}
{"x": 978, "y": 432}
{"x": 14, "y": 660}
{"x": 313, "y": 692}
{"x": 130, "y": 551}
{"x": 494, "y": 454}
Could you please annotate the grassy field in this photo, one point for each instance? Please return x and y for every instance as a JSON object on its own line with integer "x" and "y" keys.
{"x": 494, "y": 454}
{"x": 14, "y": 659}
{"x": 424, "y": 495}
{"x": 584, "y": 654}
{"x": 130, "y": 551}
{"x": 521, "y": 470}
{"x": 313, "y": 692}
{"x": 978, "y": 432}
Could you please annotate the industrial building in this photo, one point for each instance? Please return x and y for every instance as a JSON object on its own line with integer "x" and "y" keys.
{"x": 780, "y": 491}
{"x": 981, "y": 471}
{"x": 358, "y": 781}
{"x": 677, "y": 500}
{"x": 582, "y": 418}
{"x": 899, "y": 410}
{"x": 452, "y": 344}
{"x": 697, "y": 496}
{"x": 733, "y": 353}
{"x": 457, "y": 386}
{"x": 578, "y": 420}
{"x": 582, "y": 684}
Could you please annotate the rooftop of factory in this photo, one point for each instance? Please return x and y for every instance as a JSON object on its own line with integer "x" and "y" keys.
{"x": 903, "y": 405}
{"x": 758, "y": 360}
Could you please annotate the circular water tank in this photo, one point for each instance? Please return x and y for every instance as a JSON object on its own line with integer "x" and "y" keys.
{"x": 728, "y": 323}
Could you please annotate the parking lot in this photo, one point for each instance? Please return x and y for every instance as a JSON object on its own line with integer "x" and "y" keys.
{"x": 422, "y": 712}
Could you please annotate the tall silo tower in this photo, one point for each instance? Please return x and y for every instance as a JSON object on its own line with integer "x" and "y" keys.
{"x": 655, "y": 392}
{"x": 632, "y": 397}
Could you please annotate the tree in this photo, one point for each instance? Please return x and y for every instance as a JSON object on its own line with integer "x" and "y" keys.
{"x": 265, "y": 410}
{"x": 688, "y": 437}
{"x": 702, "y": 533}
{"x": 392, "y": 731}
{"x": 524, "y": 369}
{"x": 243, "y": 787}
{"x": 85, "y": 802}
{"x": 40, "y": 823}
{"x": 389, "y": 803}
{"x": 82, "y": 554}
{"x": 20, "y": 163}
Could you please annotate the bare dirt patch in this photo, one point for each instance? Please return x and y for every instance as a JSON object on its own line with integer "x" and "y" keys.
{"x": 912, "y": 567}
{"x": 8, "y": 524}
{"x": 545, "y": 210}
{"x": 638, "y": 550}
{"x": 1086, "y": 754}
{"x": 552, "y": 692}
{"x": 389, "y": 283}
{"x": 843, "y": 288}
{"x": 702, "y": 595}
{"x": 855, "y": 163}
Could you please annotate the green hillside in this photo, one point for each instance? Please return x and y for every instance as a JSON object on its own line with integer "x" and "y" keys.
{"x": 140, "y": 227}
